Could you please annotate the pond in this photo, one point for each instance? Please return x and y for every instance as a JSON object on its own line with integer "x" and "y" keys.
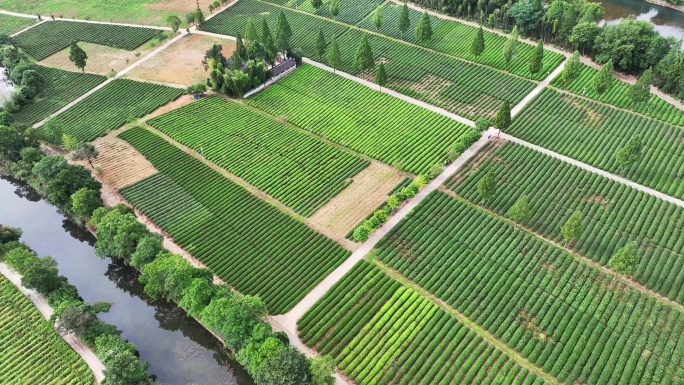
{"x": 179, "y": 350}
{"x": 667, "y": 21}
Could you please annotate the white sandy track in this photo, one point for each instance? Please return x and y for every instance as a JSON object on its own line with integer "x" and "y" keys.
{"x": 39, "y": 302}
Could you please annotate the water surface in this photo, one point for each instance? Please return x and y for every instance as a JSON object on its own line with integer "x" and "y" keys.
{"x": 667, "y": 21}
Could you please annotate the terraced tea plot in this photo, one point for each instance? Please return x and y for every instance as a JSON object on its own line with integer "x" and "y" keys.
{"x": 112, "y": 106}
{"x": 351, "y": 11}
{"x": 613, "y": 214}
{"x": 293, "y": 167}
{"x": 11, "y": 24}
{"x": 252, "y": 245}
{"x": 593, "y": 132}
{"x": 120, "y": 163}
{"x": 304, "y": 27}
{"x": 52, "y": 36}
{"x": 567, "y": 317}
{"x": 61, "y": 88}
{"x": 348, "y": 113}
{"x": 32, "y": 352}
{"x": 381, "y": 332}
{"x": 617, "y": 95}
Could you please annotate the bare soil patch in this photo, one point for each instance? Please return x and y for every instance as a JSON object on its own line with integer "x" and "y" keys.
{"x": 179, "y": 5}
{"x": 368, "y": 190}
{"x": 121, "y": 164}
{"x": 181, "y": 62}
{"x": 598, "y": 199}
{"x": 102, "y": 60}
{"x": 431, "y": 84}
{"x": 178, "y": 103}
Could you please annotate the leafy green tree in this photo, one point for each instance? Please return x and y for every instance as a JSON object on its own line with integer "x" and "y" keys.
{"x": 334, "y": 7}
{"x": 424, "y": 30}
{"x": 287, "y": 367}
{"x": 6, "y": 118}
{"x": 572, "y": 70}
{"x": 630, "y": 152}
{"x": 626, "y": 260}
{"x": 640, "y": 91}
{"x": 364, "y": 59}
{"x": 334, "y": 56}
{"x": 240, "y": 47}
{"x": 527, "y": 14}
{"x": 251, "y": 34}
{"x": 322, "y": 368}
{"x": 236, "y": 60}
{"x": 211, "y": 8}
{"x": 9, "y": 234}
{"x": 377, "y": 17}
{"x": 196, "y": 296}
{"x": 502, "y": 120}
{"x": 174, "y": 22}
{"x": 42, "y": 276}
{"x": 321, "y": 45}
{"x": 199, "y": 16}
{"x": 169, "y": 275}
{"x": 604, "y": 78}
{"x": 628, "y": 44}
{"x": 511, "y": 47}
{"x": 125, "y": 369}
{"x": 282, "y": 41}
{"x": 283, "y": 26}
{"x": 256, "y": 353}
{"x": 404, "y": 22}
{"x": 51, "y": 132}
{"x": 108, "y": 345}
{"x": 380, "y": 75}
{"x": 47, "y": 168}
{"x": 478, "y": 44}
{"x": 265, "y": 32}
{"x": 572, "y": 228}
{"x": 77, "y": 56}
{"x": 190, "y": 17}
{"x": 147, "y": 249}
{"x": 583, "y": 35}
{"x": 215, "y": 53}
{"x": 33, "y": 80}
{"x": 69, "y": 142}
{"x": 75, "y": 319}
{"x": 67, "y": 181}
{"x": 11, "y": 142}
{"x": 234, "y": 316}
{"x": 520, "y": 211}
{"x": 361, "y": 233}
{"x": 537, "y": 58}
{"x": 317, "y": 4}
{"x": 486, "y": 187}
{"x": 85, "y": 151}
{"x": 118, "y": 235}
{"x": 84, "y": 201}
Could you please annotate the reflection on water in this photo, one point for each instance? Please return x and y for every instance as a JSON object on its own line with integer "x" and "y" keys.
{"x": 179, "y": 349}
{"x": 667, "y": 21}
{"x": 6, "y": 87}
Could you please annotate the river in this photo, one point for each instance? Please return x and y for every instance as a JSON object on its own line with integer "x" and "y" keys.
{"x": 179, "y": 350}
{"x": 667, "y": 21}
{"x": 6, "y": 87}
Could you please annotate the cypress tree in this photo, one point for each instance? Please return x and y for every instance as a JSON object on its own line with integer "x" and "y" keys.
{"x": 537, "y": 58}
{"x": 478, "y": 45}
{"x": 320, "y": 44}
{"x": 502, "y": 120}
{"x": 334, "y": 57}
{"x": 251, "y": 34}
{"x": 364, "y": 59}
{"x": 404, "y": 20}
{"x": 424, "y": 29}
{"x": 265, "y": 32}
{"x": 380, "y": 75}
{"x": 604, "y": 78}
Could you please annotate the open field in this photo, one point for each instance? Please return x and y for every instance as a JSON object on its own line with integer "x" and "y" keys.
{"x": 112, "y": 106}
{"x": 11, "y": 24}
{"x": 32, "y": 351}
{"x": 567, "y": 317}
{"x": 367, "y": 191}
{"x": 152, "y": 12}
{"x": 299, "y": 170}
{"x": 53, "y": 36}
{"x": 467, "y": 89}
{"x": 381, "y": 332}
{"x": 617, "y": 95}
{"x": 121, "y": 164}
{"x": 181, "y": 63}
{"x": 613, "y": 214}
{"x": 593, "y": 132}
{"x": 381, "y": 126}
{"x": 351, "y": 11}
{"x": 245, "y": 241}
{"x": 102, "y": 59}
{"x": 61, "y": 88}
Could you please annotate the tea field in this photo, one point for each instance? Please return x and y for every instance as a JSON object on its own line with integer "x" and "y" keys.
{"x": 293, "y": 167}
{"x": 32, "y": 351}
{"x": 381, "y": 332}
{"x": 613, "y": 214}
{"x": 114, "y": 105}
{"x": 61, "y": 88}
{"x": 345, "y": 112}
{"x": 11, "y": 24}
{"x": 55, "y": 35}
{"x": 250, "y": 244}
{"x": 565, "y": 316}
{"x": 593, "y": 132}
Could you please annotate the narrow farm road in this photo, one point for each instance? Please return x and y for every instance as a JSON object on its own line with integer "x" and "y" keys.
{"x": 118, "y": 75}
{"x": 289, "y": 320}
{"x": 539, "y": 88}
{"x": 39, "y": 302}
{"x": 48, "y": 18}
{"x": 27, "y": 28}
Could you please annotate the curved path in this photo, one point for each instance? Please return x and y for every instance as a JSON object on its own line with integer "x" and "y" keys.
{"x": 39, "y": 302}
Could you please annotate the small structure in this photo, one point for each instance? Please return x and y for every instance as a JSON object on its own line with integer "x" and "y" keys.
{"x": 278, "y": 71}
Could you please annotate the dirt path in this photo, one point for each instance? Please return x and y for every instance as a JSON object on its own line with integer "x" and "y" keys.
{"x": 539, "y": 88}
{"x": 39, "y": 302}
{"x": 47, "y": 18}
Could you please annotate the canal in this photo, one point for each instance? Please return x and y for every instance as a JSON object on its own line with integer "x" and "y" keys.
{"x": 180, "y": 351}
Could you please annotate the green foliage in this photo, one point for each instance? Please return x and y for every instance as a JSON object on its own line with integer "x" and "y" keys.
{"x": 364, "y": 59}
{"x": 85, "y": 151}
{"x": 572, "y": 228}
{"x": 573, "y": 69}
{"x": 125, "y": 369}
{"x": 68, "y": 142}
{"x": 478, "y": 44}
{"x": 404, "y": 22}
{"x": 626, "y": 260}
{"x": 520, "y": 211}
{"x": 169, "y": 275}
{"x": 361, "y": 233}
{"x": 604, "y": 79}
{"x": 118, "y": 235}
{"x": 537, "y": 59}
{"x": 84, "y": 201}
{"x": 334, "y": 7}
{"x": 321, "y": 369}
{"x": 334, "y": 56}
{"x": 630, "y": 152}
{"x": 630, "y": 44}
{"x": 502, "y": 120}
{"x": 377, "y": 17}
{"x": 424, "y": 30}
{"x": 9, "y": 234}
{"x": 380, "y": 75}
{"x": 251, "y": 34}
{"x": 174, "y": 22}
{"x": 486, "y": 187}
{"x": 255, "y": 354}
{"x": 511, "y": 47}
{"x": 286, "y": 367}
{"x": 197, "y": 295}
{"x": 641, "y": 90}
{"x": 321, "y": 45}
{"x": 148, "y": 247}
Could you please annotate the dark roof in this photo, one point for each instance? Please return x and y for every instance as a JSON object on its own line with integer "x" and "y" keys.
{"x": 282, "y": 67}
